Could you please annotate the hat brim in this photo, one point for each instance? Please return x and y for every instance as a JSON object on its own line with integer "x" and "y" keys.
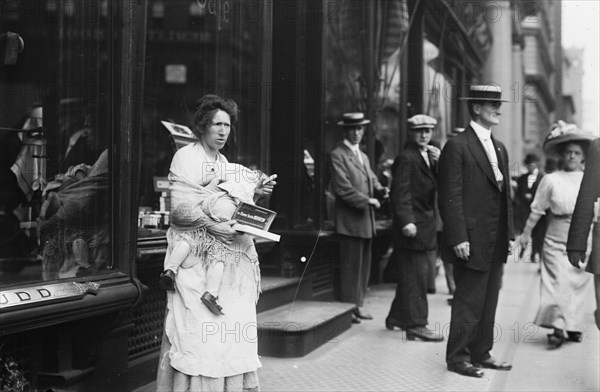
{"x": 551, "y": 145}
{"x": 482, "y": 99}
{"x": 419, "y": 127}
{"x": 353, "y": 124}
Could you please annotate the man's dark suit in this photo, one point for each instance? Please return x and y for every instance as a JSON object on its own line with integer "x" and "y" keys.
{"x": 476, "y": 209}
{"x": 413, "y": 196}
{"x": 581, "y": 221}
{"x": 522, "y": 209}
{"x": 353, "y": 183}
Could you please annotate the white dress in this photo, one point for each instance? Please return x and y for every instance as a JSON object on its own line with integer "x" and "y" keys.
{"x": 202, "y": 351}
{"x": 563, "y": 287}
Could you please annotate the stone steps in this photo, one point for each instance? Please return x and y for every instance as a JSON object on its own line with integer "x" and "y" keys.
{"x": 295, "y": 328}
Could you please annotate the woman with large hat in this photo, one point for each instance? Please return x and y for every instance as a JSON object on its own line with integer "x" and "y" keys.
{"x": 563, "y": 288}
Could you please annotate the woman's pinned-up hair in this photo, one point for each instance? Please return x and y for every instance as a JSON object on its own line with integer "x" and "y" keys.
{"x": 207, "y": 106}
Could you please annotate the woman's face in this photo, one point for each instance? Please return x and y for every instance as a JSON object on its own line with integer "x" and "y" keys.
{"x": 573, "y": 157}
{"x": 216, "y": 134}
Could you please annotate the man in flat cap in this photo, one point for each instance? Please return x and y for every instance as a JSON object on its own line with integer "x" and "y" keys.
{"x": 356, "y": 189}
{"x": 413, "y": 197}
{"x": 475, "y": 206}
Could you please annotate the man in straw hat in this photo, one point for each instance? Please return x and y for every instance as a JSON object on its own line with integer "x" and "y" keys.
{"x": 414, "y": 235}
{"x": 355, "y": 188}
{"x": 475, "y": 207}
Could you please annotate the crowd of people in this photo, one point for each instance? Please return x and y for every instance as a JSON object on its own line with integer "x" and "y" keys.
{"x": 455, "y": 204}
{"x": 462, "y": 205}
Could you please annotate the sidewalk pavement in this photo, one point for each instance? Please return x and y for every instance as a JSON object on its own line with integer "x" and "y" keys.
{"x": 370, "y": 358}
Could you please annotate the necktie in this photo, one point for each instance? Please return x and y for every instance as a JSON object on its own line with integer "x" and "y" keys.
{"x": 491, "y": 154}
{"x": 426, "y": 158}
{"x": 358, "y": 156}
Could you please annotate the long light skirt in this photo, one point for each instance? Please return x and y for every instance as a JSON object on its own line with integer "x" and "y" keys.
{"x": 171, "y": 380}
{"x": 563, "y": 290}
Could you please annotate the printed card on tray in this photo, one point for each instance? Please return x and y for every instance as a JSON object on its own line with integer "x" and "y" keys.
{"x": 255, "y": 220}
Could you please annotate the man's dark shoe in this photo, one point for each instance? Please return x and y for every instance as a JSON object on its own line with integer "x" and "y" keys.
{"x": 424, "y": 334}
{"x": 362, "y": 315}
{"x": 492, "y": 363}
{"x": 465, "y": 369}
{"x": 389, "y": 324}
{"x": 355, "y": 320}
{"x": 167, "y": 280}
{"x": 557, "y": 338}
{"x": 573, "y": 336}
{"x": 211, "y": 303}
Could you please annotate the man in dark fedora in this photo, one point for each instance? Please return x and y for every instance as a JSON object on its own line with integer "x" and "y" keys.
{"x": 414, "y": 232}
{"x": 356, "y": 189}
{"x": 475, "y": 207}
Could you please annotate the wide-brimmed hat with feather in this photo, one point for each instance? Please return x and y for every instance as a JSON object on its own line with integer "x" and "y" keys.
{"x": 562, "y": 132}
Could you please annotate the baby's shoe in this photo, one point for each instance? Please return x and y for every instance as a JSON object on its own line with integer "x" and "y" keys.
{"x": 167, "y": 280}
{"x": 211, "y": 303}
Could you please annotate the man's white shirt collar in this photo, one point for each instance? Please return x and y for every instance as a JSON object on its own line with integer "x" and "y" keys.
{"x": 485, "y": 136}
{"x": 532, "y": 178}
{"x": 353, "y": 147}
{"x": 482, "y": 133}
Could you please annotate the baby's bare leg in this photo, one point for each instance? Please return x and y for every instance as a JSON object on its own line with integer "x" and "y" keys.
{"x": 214, "y": 276}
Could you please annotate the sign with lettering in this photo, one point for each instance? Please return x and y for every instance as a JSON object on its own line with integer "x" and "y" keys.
{"x": 161, "y": 184}
{"x": 34, "y": 295}
{"x": 255, "y": 216}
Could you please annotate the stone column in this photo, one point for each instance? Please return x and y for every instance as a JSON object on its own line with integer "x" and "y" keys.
{"x": 498, "y": 70}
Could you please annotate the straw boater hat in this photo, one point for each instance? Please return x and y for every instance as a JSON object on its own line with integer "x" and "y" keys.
{"x": 353, "y": 119}
{"x": 484, "y": 92}
{"x": 420, "y": 121}
{"x": 562, "y": 132}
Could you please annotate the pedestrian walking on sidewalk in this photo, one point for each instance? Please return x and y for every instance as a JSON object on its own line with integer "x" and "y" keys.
{"x": 203, "y": 351}
{"x": 586, "y": 213}
{"x": 527, "y": 185}
{"x": 563, "y": 288}
{"x": 476, "y": 210}
{"x": 412, "y": 200}
{"x": 356, "y": 189}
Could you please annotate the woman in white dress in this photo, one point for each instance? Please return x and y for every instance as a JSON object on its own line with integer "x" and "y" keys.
{"x": 203, "y": 351}
{"x": 563, "y": 287}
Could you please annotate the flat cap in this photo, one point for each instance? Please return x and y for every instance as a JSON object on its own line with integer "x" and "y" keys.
{"x": 421, "y": 121}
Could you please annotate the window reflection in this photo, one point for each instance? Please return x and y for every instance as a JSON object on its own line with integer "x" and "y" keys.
{"x": 349, "y": 59}
{"x": 195, "y": 48}
{"x": 55, "y": 137}
{"x": 439, "y": 87}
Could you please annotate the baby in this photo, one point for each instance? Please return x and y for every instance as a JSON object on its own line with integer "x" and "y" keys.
{"x": 233, "y": 185}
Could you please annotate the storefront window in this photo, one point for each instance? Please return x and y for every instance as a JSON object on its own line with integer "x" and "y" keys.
{"x": 363, "y": 38}
{"x": 193, "y": 48}
{"x": 439, "y": 101}
{"x": 56, "y": 127}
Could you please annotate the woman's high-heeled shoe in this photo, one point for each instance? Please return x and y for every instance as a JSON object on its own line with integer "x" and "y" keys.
{"x": 556, "y": 339}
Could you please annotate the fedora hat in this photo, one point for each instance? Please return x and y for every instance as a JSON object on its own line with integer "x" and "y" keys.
{"x": 484, "y": 92}
{"x": 562, "y": 132}
{"x": 353, "y": 119}
{"x": 420, "y": 121}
